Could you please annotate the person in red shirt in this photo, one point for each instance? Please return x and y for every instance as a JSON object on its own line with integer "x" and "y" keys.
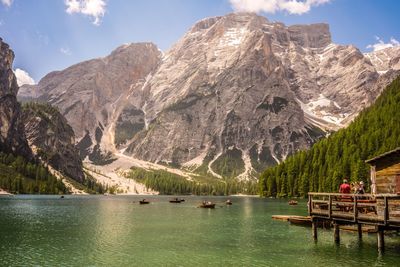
{"x": 345, "y": 187}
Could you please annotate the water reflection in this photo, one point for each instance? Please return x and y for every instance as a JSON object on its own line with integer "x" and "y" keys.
{"x": 114, "y": 231}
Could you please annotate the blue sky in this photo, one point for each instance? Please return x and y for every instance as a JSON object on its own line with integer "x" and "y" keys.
{"x": 49, "y": 35}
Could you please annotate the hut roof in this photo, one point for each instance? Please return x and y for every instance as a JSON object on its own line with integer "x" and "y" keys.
{"x": 395, "y": 153}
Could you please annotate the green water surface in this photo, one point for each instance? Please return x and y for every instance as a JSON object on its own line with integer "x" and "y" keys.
{"x": 117, "y": 231}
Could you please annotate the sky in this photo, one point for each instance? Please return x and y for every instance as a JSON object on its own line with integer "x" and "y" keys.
{"x": 48, "y": 35}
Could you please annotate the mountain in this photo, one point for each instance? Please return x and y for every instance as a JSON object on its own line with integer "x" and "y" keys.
{"x": 321, "y": 169}
{"x": 38, "y": 152}
{"x": 20, "y": 170}
{"x": 236, "y": 94}
{"x": 385, "y": 59}
{"x": 52, "y": 138}
{"x": 91, "y": 94}
{"x": 12, "y": 138}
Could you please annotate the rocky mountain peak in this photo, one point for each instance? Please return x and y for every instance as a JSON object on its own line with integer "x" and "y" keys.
{"x": 238, "y": 20}
{"x": 132, "y": 49}
{"x": 91, "y": 94}
{"x": 12, "y": 138}
{"x": 8, "y": 82}
{"x": 235, "y": 94}
{"x": 385, "y": 59}
{"x": 312, "y": 36}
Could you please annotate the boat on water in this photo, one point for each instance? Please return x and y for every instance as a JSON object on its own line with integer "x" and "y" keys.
{"x": 207, "y": 205}
{"x": 144, "y": 201}
{"x": 176, "y": 200}
{"x": 292, "y": 202}
{"x": 228, "y": 202}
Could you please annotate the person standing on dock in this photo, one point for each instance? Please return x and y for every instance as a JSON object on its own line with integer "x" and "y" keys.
{"x": 360, "y": 189}
{"x": 345, "y": 187}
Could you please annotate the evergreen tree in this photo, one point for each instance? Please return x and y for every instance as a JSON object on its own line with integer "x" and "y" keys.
{"x": 342, "y": 154}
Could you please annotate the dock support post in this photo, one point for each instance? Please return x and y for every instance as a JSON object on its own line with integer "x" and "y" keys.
{"x": 381, "y": 239}
{"x": 359, "y": 230}
{"x": 336, "y": 232}
{"x": 314, "y": 229}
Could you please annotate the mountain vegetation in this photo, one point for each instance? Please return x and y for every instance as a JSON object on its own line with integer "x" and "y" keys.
{"x": 342, "y": 154}
{"x": 20, "y": 176}
{"x": 172, "y": 184}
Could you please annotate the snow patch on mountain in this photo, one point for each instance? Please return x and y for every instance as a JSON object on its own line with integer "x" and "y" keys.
{"x": 233, "y": 37}
{"x": 318, "y": 112}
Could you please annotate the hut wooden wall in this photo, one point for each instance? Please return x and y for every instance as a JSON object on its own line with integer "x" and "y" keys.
{"x": 388, "y": 180}
{"x": 393, "y": 209}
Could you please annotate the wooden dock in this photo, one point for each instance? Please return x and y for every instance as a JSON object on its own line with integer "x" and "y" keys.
{"x": 380, "y": 211}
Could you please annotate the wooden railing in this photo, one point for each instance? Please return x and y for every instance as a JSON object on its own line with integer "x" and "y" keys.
{"x": 366, "y": 208}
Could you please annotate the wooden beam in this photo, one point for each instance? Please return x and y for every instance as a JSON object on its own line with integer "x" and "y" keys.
{"x": 336, "y": 232}
{"x": 381, "y": 239}
{"x": 355, "y": 210}
{"x": 359, "y": 230}
{"x": 386, "y": 211}
{"x": 314, "y": 229}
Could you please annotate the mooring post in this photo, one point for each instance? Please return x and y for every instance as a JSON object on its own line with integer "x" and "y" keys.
{"x": 314, "y": 229}
{"x": 381, "y": 239}
{"x": 336, "y": 232}
{"x": 359, "y": 230}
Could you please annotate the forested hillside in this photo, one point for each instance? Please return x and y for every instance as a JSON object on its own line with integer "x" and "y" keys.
{"x": 20, "y": 176}
{"x": 342, "y": 154}
{"x": 172, "y": 184}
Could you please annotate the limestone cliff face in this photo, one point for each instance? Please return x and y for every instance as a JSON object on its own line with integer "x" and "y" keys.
{"x": 12, "y": 138}
{"x": 236, "y": 94}
{"x": 91, "y": 94}
{"x": 52, "y": 139}
{"x": 242, "y": 85}
{"x": 386, "y": 59}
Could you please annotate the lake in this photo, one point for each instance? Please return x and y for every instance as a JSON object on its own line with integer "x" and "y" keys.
{"x": 117, "y": 231}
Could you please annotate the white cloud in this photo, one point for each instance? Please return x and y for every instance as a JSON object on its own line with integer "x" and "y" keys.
{"x": 23, "y": 77}
{"x": 271, "y": 6}
{"x": 92, "y": 8}
{"x": 382, "y": 45}
{"x": 7, "y": 3}
{"x": 65, "y": 51}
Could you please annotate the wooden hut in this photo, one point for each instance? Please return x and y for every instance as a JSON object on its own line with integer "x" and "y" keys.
{"x": 385, "y": 184}
{"x": 380, "y": 209}
{"x": 385, "y": 173}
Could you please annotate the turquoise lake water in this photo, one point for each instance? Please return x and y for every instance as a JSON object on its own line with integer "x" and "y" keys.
{"x": 117, "y": 231}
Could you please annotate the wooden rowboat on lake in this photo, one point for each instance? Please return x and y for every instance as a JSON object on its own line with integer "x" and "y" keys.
{"x": 144, "y": 201}
{"x": 176, "y": 200}
{"x": 207, "y": 205}
{"x": 292, "y": 202}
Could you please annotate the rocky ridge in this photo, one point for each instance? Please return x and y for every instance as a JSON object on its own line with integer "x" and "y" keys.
{"x": 91, "y": 94}
{"x": 52, "y": 138}
{"x": 34, "y": 131}
{"x": 236, "y": 94}
{"x": 12, "y": 137}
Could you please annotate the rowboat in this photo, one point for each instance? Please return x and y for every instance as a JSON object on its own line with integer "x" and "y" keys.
{"x": 207, "y": 205}
{"x": 144, "y": 201}
{"x": 175, "y": 200}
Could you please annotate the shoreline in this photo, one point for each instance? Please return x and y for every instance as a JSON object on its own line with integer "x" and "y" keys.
{"x": 4, "y": 193}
